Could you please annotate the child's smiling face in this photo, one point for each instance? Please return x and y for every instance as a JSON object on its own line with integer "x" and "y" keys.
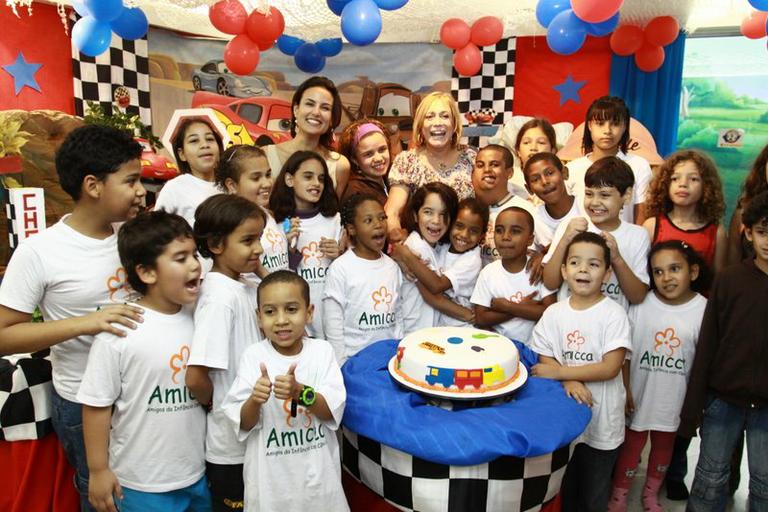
{"x": 466, "y": 232}
{"x": 546, "y": 181}
{"x": 432, "y": 219}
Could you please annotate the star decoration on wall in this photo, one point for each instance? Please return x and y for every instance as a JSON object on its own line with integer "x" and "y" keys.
{"x": 23, "y": 73}
{"x": 569, "y": 90}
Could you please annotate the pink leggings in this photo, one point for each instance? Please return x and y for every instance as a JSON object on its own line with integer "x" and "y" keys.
{"x": 629, "y": 456}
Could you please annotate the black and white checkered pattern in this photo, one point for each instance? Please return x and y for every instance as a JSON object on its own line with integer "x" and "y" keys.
{"x": 96, "y": 78}
{"x": 25, "y": 398}
{"x": 10, "y": 215}
{"x": 493, "y": 87}
{"x": 507, "y": 484}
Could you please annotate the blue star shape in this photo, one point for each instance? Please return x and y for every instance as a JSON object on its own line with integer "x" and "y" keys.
{"x": 23, "y": 73}
{"x": 569, "y": 90}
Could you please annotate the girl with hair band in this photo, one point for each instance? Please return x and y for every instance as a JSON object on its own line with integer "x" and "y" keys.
{"x": 366, "y": 146}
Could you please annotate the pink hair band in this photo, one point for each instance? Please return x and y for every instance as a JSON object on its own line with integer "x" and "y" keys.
{"x": 363, "y": 130}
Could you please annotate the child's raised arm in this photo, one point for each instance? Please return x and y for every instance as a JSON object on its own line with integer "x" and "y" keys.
{"x": 102, "y": 483}
{"x": 250, "y": 412}
{"x": 445, "y": 305}
{"x": 608, "y": 368}
{"x": 528, "y": 308}
{"x": 430, "y": 279}
{"x": 634, "y": 289}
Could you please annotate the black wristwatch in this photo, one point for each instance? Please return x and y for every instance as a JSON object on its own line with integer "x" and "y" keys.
{"x": 307, "y": 396}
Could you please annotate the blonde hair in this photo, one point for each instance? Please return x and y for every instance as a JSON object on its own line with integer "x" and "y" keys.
{"x": 417, "y": 139}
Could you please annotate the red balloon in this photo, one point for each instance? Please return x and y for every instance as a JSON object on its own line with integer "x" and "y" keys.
{"x": 265, "y": 28}
{"x": 468, "y": 60}
{"x": 487, "y": 31}
{"x": 241, "y": 55}
{"x": 649, "y": 58}
{"x": 662, "y": 30}
{"x": 753, "y": 26}
{"x": 626, "y": 40}
{"x": 595, "y": 11}
{"x": 455, "y": 33}
{"x": 228, "y": 16}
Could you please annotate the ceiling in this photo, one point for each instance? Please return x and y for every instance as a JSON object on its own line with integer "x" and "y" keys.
{"x": 420, "y": 20}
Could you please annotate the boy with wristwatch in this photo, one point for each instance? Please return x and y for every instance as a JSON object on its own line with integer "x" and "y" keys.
{"x": 286, "y": 402}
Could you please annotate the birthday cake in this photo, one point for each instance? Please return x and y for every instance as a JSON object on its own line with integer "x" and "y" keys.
{"x": 457, "y": 361}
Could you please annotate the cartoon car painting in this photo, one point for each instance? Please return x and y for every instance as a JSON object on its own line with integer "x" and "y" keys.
{"x": 259, "y": 121}
{"x": 155, "y": 167}
{"x": 214, "y": 76}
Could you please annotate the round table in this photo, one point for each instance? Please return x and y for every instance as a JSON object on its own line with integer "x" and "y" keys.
{"x": 501, "y": 456}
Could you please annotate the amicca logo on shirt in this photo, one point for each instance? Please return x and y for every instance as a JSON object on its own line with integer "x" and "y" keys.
{"x": 118, "y": 283}
{"x": 380, "y": 315}
{"x": 276, "y": 242}
{"x": 297, "y": 436}
{"x": 176, "y": 397}
{"x": 312, "y": 253}
{"x": 665, "y": 344}
{"x": 573, "y": 342}
{"x": 382, "y": 299}
{"x": 178, "y": 363}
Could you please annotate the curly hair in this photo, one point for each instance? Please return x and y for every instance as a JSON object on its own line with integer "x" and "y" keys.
{"x": 710, "y": 207}
{"x": 349, "y": 206}
{"x": 757, "y": 179}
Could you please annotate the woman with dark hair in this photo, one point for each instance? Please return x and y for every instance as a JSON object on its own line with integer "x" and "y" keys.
{"x": 315, "y": 113}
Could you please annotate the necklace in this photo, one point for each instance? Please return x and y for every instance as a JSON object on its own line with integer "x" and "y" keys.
{"x": 436, "y": 163}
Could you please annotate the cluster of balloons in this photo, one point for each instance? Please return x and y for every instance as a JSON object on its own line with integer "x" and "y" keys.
{"x": 457, "y": 35}
{"x": 754, "y": 25}
{"x": 646, "y": 44}
{"x": 93, "y": 32}
{"x": 568, "y": 22}
{"x": 309, "y": 57}
{"x": 253, "y": 33}
{"x": 361, "y": 19}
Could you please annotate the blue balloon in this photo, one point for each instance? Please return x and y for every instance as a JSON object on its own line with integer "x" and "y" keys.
{"x": 361, "y": 22}
{"x": 390, "y": 5}
{"x": 309, "y": 59}
{"x": 91, "y": 36}
{"x": 330, "y": 47}
{"x": 80, "y": 8}
{"x": 760, "y": 5}
{"x": 131, "y": 24}
{"x": 604, "y": 27}
{"x": 336, "y": 6}
{"x": 104, "y": 10}
{"x": 546, "y": 10}
{"x": 566, "y": 33}
{"x": 289, "y": 44}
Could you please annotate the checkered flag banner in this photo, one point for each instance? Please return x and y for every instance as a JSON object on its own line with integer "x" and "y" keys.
{"x": 119, "y": 76}
{"x": 25, "y": 391}
{"x": 492, "y": 88}
{"x": 507, "y": 484}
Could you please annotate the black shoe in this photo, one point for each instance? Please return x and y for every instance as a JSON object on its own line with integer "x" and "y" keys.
{"x": 676, "y": 491}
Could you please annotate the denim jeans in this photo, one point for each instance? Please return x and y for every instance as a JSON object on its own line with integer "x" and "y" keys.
{"x": 723, "y": 424}
{"x": 67, "y": 418}
{"x": 587, "y": 481}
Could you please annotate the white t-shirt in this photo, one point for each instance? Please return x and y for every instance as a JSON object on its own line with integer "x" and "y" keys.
{"x": 462, "y": 271}
{"x": 577, "y": 169}
{"x": 495, "y": 282}
{"x": 275, "y": 245}
{"x": 291, "y": 464}
{"x": 634, "y": 246}
{"x": 663, "y": 347}
{"x": 183, "y": 194}
{"x": 68, "y": 275}
{"x": 313, "y": 265}
{"x": 157, "y": 440}
{"x": 417, "y": 314}
{"x": 368, "y": 292}
{"x": 578, "y": 337}
{"x": 549, "y": 224}
{"x": 225, "y": 325}
{"x": 488, "y": 246}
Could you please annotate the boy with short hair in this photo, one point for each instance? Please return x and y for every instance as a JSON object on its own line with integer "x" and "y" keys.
{"x": 582, "y": 341}
{"x": 494, "y": 166}
{"x": 286, "y": 402}
{"x": 144, "y": 431}
{"x": 73, "y": 272}
{"x": 504, "y": 297}
{"x": 728, "y": 389}
{"x": 608, "y": 187}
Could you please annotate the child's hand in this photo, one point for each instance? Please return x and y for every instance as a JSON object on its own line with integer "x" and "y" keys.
{"x": 399, "y": 253}
{"x": 578, "y": 391}
{"x": 535, "y": 267}
{"x": 629, "y": 406}
{"x": 262, "y": 388}
{"x": 330, "y": 248}
{"x": 468, "y": 316}
{"x": 547, "y": 371}
{"x": 286, "y": 386}
{"x": 397, "y": 235}
{"x": 102, "y": 319}
{"x": 102, "y": 485}
{"x": 575, "y": 226}
{"x": 293, "y": 232}
{"x": 610, "y": 241}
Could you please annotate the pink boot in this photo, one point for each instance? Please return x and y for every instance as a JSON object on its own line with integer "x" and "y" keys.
{"x": 618, "y": 501}
{"x": 651, "y": 495}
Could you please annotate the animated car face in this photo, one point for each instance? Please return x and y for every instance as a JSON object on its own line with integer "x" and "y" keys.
{"x": 155, "y": 167}
{"x": 214, "y": 76}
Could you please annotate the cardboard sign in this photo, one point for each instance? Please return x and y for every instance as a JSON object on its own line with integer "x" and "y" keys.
{"x": 26, "y": 213}
{"x": 730, "y": 138}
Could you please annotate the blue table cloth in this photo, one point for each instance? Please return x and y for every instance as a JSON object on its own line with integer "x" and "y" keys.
{"x": 538, "y": 420}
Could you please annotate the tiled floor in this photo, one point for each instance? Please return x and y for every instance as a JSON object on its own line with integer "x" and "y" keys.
{"x": 737, "y": 504}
